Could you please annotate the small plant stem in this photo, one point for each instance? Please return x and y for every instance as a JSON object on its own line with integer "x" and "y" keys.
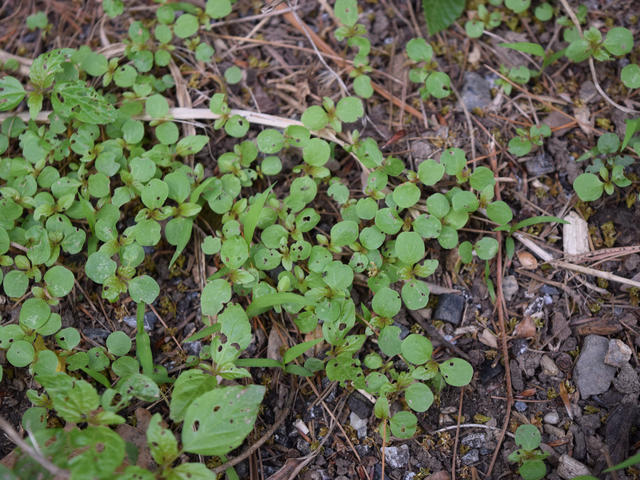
{"x": 143, "y": 342}
{"x": 592, "y": 65}
{"x": 502, "y": 325}
{"x": 455, "y": 443}
{"x": 384, "y": 444}
{"x": 32, "y": 452}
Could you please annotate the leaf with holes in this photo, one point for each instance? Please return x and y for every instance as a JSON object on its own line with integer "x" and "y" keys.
{"x": 162, "y": 443}
{"x": 218, "y": 421}
{"x": 456, "y": 372}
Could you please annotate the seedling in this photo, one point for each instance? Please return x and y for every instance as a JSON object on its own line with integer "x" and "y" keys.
{"x": 529, "y": 457}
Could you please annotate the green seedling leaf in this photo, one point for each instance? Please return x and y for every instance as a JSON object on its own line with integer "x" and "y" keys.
{"x": 81, "y": 102}
{"x": 487, "y": 248}
{"x": 218, "y": 8}
{"x": 533, "y": 469}
{"x": 162, "y": 443}
{"x": 409, "y": 247}
{"x": 101, "y": 451}
{"x": 59, "y": 281}
{"x": 214, "y": 295}
{"x": 15, "y": 283}
{"x": 192, "y": 471}
{"x": 11, "y": 93}
{"x": 517, "y": 6}
{"x": 386, "y": 302}
{"x": 430, "y": 172}
{"x": 629, "y": 462}
{"x": 20, "y": 353}
{"x": 439, "y": 14}
{"x": 344, "y": 233}
{"x": 588, "y": 187}
{"x": 528, "y": 437}
{"x": 250, "y": 221}
{"x": 630, "y": 76}
{"x": 416, "y": 349}
{"x": 419, "y": 50}
{"x": 499, "y": 212}
{"x": 297, "y": 350}
{"x": 218, "y": 421}
{"x": 265, "y": 302}
{"x": 73, "y": 399}
{"x": 527, "y": 222}
{"x": 34, "y": 313}
{"x": 406, "y": 195}
{"x": 143, "y": 289}
{"x": 270, "y": 141}
{"x": 389, "y": 340}
{"x": 619, "y": 41}
{"x": 347, "y": 11}
{"x": 68, "y": 338}
{"x": 315, "y": 118}
{"x": 118, "y": 343}
{"x": 189, "y": 386}
{"x": 186, "y": 25}
{"x": 404, "y": 424}
{"x": 419, "y": 397}
{"x": 415, "y": 294}
{"x": 191, "y": 145}
{"x": 456, "y": 372}
{"x": 349, "y": 109}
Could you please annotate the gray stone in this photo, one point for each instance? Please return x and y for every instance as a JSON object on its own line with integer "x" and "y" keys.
{"x": 471, "y": 457}
{"x": 541, "y": 164}
{"x": 516, "y": 376}
{"x": 592, "y": 375}
{"x": 150, "y": 320}
{"x": 97, "y": 334}
{"x": 552, "y": 418}
{"x": 358, "y": 424}
{"x": 549, "y": 367}
{"x": 397, "y": 457}
{"x": 475, "y": 440}
{"x": 450, "y": 308}
{"x": 509, "y": 287}
{"x": 618, "y": 353}
{"x": 588, "y": 92}
{"x": 632, "y": 262}
{"x": 554, "y": 431}
{"x": 359, "y": 405}
{"x": 627, "y": 380}
{"x": 569, "y": 468}
{"x": 476, "y": 91}
{"x": 520, "y": 406}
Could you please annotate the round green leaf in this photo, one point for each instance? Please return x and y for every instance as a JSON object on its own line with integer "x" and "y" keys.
{"x": 156, "y": 106}
{"x": 118, "y": 343}
{"x": 409, "y": 247}
{"x": 465, "y": 251}
{"x": 68, "y": 338}
{"x": 386, "y": 302}
{"x": 186, "y": 25}
{"x": 465, "y": 201}
{"x": 5, "y": 241}
{"x": 143, "y": 289}
{"x": 415, "y": 294}
{"x": 517, "y": 6}
{"x": 528, "y": 437}
{"x": 59, "y": 281}
{"x": 588, "y": 187}
{"x": 619, "y": 41}
{"x": 349, "y": 109}
{"x": 347, "y": 11}
{"x": 20, "y": 353}
{"x": 454, "y": 160}
{"x": 419, "y": 397}
{"x": 428, "y": 226}
{"x": 132, "y": 131}
{"x": 456, "y": 372}
{"x": 34, "y": 313}
{"x": 15, "y": 283}
{"x": 338, "y": 276}
{"x": 630, "y": 76}
{"x": 499, "y": 212}
{"x": 233, "y": 75}
{"x": 533, "y": 469}
{"x": 315, "y": 118}
{"x": 430, "y": 172}
{"x": 234, "y": 252}
{"x": 486, "y": 248}
{"x": 406, "y": 195}
{"x": 218, "y": 8}
{"x": 481, "y": 178}
{"x": 167, "y": 133}
{"x": 344, "y": 233}
{"x": 416, "y": 349}
{"x": 270, "y": 141}
{"x": 404, "y": 424}
{"x": 438, "y": 205}
{"x": 316, "y": 152}
{"x": 419, "y": 50}
{"x": 371, "y": 238}
{"x": 437, "y": 84}
{"x": 237, "y": 126}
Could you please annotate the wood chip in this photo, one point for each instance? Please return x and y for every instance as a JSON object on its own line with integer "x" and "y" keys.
{"x": 527, "y": 260}
{"x": 575, "y": 235}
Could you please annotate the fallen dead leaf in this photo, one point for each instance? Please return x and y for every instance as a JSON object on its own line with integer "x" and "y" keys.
{"x": 526, "y": 328}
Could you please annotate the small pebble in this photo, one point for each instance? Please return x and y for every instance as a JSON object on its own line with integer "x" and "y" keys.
{"x": 552, "y": 418}
{"x": 520, "y": 406}
{"x": 549, "y": 367}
